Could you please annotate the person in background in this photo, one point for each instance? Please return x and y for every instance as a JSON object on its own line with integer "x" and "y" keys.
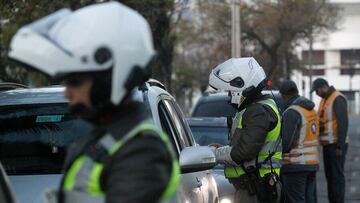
{"x": 101, "y": 53}
{"x": 334, "y": 122}
{"x": 300, "y": 133}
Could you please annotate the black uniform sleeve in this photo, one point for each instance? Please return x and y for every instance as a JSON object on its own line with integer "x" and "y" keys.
{"x": 291, "y": 121}
{"x": 138, "y": 173}
{"x": 248, "y": 141}
{"x": 340, "y": 109}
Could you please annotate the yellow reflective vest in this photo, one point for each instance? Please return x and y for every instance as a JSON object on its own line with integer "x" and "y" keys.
{"x": 271, "y": 145}
{"x": 82, "y": 180}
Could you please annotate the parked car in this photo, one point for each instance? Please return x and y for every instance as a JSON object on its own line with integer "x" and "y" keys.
{"x": 208, "y": 130}
{"x": 37, "y": 127}
{"x": 217, "y": 105}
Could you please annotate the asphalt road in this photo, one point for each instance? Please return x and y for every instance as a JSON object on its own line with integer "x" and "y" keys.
{"x": 352, "y": 167}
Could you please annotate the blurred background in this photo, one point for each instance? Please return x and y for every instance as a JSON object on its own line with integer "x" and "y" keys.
{"x": 301, "y": 40}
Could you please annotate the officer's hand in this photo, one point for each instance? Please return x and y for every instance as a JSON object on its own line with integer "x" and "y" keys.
{"x": 215, "y": 145}
{"x": 338, "y": 152}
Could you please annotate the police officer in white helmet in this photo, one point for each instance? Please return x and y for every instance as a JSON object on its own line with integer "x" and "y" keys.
{"x": 101, "y": 53}
{"x": 253, "y": 157}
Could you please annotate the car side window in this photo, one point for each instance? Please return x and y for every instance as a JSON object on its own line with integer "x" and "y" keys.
{"x": 167, "y": 126}
{"x": 184, "y": 123}
{"x": 180, "y": 128}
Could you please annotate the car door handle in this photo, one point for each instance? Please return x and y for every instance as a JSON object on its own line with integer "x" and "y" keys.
{"x": 199, "y": 183}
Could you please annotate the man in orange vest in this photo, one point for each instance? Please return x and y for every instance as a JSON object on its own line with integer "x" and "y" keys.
{"x": 333, "y": 116}
{"x": 300, "y": 132}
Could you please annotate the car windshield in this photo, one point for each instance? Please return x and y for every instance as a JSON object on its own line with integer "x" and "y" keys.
{"x": 214, "y": 109}
{"x": 208, "y": 135}
{"x": 33, "y": 139}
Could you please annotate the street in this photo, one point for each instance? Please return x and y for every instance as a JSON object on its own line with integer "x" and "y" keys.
{"x": 352, "y": 167}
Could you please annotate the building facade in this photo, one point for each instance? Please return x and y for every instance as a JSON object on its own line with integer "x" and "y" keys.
{"x": 336, "y": 59}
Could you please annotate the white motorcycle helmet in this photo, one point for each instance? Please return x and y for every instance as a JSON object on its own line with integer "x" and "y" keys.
{"x": 96, "y": 38}
{"x": 241, "y": 77}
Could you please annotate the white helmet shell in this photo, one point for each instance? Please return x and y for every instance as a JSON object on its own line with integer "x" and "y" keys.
{"x": 235, "y": 75}
{"x": 67, "y": 42}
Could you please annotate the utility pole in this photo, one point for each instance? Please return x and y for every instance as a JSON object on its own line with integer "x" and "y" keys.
{"x": 235, "y": 29}
{"x": 310, "y": 62}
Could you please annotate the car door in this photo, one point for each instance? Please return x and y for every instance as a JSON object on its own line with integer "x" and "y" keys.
{"x": 6, "y": 194}
{"x": 205, "y": 178}
{"x": 190, "y": 182}
{"x": 202, "y": 183}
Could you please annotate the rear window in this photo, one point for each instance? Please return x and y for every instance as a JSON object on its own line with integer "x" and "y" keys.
{"x": 33, "y": 139}
{"x": 214, "y": 109}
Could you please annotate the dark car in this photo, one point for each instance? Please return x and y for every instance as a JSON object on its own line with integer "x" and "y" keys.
{"x": 209, "y": 130}
{"x": 217, "y": 105}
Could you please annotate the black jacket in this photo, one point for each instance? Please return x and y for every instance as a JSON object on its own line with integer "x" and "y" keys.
{"x": 139, "y": 171}
{"x": 291, "y": 121}
{"x": 257, "y": 121}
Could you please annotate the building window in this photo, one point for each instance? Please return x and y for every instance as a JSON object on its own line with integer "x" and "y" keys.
{"x": 350, "y": 71}
{"x": 315, "y": 72}
{"x": 350, "y": 57}
{"x": 317, "y": 57}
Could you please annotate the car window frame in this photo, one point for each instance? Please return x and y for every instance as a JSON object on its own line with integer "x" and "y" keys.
{"x": 162, "y": 110}
{"x": 185, "y": 124}
{"x": 182, "y": 138}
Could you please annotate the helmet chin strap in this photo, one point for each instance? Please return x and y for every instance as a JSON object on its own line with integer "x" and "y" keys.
{"x": 237, "y": 98}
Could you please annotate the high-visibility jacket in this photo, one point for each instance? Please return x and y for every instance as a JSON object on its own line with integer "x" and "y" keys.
{"x": 305, "y": 152}
{"x": 82, "y": 181}
{"x": 328, "y": 119}
{"x": 272, "y": 144}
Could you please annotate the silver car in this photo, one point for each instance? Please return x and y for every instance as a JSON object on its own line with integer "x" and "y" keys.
{"x": 208, "y": 130}
{"x": 39, "y": 127}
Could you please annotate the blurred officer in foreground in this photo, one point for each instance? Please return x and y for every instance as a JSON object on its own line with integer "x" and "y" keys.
{"x": 101, "y": 53}
{"x": 253, "y": 157}
{"x": 334, "y": 124}
{"x": 300, "y": 133}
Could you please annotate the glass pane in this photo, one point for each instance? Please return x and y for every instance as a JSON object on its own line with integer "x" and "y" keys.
{"x": 208, "y": 135}
{"x": 33, "y": 139}
{"x": 177, "y": 124}
{"x": 214, "y": 109}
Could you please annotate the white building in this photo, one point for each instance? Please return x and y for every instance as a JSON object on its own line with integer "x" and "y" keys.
{"x": 338, "y": 58}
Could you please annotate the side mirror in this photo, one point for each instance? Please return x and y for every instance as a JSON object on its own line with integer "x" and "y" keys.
{"x": 194, "y": 159}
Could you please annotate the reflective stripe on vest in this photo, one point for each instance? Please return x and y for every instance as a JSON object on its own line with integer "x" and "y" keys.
{"x": 328, "y": 119}
{"x": 271, "y": 145}
{"x": 82, "y": 181}
{"x": 305, "y": 151}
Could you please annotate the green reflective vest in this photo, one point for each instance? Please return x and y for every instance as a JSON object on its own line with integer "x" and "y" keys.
{"x": 82, "y": 181}
{"x": 271, "y": 145}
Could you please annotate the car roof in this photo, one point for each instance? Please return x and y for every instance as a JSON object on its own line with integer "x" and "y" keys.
{"x": 43, "y": 95}
{"x": 207, "y": 121}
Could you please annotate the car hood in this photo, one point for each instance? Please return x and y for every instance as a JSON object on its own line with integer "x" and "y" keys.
{"x": 30, "y": 188}
{"x": 224, "y": 186}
